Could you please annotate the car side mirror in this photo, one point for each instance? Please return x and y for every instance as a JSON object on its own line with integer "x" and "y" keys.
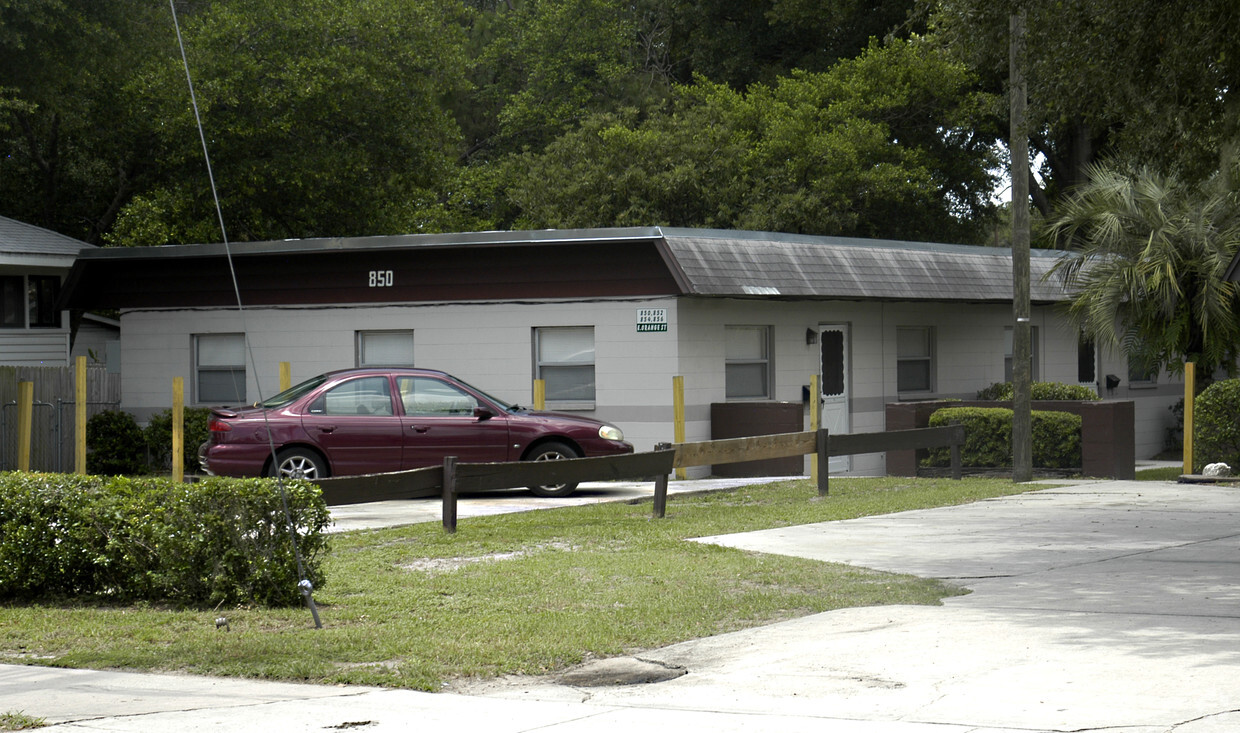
{"x": 483, "y": 413}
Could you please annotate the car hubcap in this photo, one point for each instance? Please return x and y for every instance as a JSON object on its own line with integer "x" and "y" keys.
{"x": 299, "y": 467}
{"x": 551, "y": 456}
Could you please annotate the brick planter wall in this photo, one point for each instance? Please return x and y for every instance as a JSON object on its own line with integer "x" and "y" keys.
{"x": 1108, "y": 443}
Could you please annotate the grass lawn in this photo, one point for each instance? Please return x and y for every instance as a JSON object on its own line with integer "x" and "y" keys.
{"x": 523, "y": 593}
{"x": 1162, "y": 473}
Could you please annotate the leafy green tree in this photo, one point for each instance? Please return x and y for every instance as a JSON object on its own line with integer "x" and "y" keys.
{"x": 323, "y": 118}
{"x": 1142, "y": 80}
{"x": 540, "y": 66}
{"x": 878, "y": 146}
{"x": 1152, "y": 254}
{"x": 71, "y": 152}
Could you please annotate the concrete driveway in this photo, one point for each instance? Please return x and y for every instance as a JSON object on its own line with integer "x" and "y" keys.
{"x": 1101, "y": 606}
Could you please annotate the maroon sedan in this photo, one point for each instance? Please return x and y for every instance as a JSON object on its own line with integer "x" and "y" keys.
{"x": 359, "y": 421}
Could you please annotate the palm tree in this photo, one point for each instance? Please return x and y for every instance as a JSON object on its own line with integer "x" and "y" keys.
{"x": 1149, "y": 258}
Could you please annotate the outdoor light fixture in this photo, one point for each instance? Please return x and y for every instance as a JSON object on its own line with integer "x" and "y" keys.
{"x": 811, "y": 336}
{"x": 1112, "y": 382}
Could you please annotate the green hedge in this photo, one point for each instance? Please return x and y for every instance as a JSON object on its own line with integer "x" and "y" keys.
{"x": 1002, "y": 392}
{"x": 988, "y": 437}
{"x": 1216, "y": 425}
{"x": 158, "y": 435}
{"x": 117, "y": 446}
{"x": 217, "y": 541}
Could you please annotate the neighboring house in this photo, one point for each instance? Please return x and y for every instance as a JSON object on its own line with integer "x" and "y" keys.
{"x": 98, "y": 338}
{"x": 607, "y": 317}
{"x": 33, "y": 263}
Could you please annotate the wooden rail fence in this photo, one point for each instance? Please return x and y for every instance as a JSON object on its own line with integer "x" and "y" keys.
{"x": 453, "y": 478}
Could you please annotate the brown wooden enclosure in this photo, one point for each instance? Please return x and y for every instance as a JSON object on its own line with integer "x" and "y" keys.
{"x": 1108, "y": 443}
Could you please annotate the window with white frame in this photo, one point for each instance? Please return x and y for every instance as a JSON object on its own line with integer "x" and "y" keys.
{"x": 385, "y": 348}
{"x": 41, "y": 294}
{"x": 915, "y": 359}
{"x": 1086, "y": 360}
{"x": 29, "y": 301}
{"x": 1141, "y": 372}
{"x": 564, "y": 360}
{"x": 11, "y": 301}
{"x": 747, "y": 362}
{"x": 1033, "y": 353}
{"x": 219, "y": 368}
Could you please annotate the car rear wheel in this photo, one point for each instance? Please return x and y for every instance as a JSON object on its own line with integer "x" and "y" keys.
{"x": 300, "y": 463}
{"x": 552, "y": 452}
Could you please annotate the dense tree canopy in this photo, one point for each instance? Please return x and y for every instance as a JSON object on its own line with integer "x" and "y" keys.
{"x": 323, "y": 119}
{"x": 71, "y": 151}
{"x": 333, "y": 117}
{"x": 1146, "y": 80}
{"x": 878, "y": 146}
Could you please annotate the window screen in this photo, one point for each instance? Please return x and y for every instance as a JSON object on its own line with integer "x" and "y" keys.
{"x": 564, "y": 360}
{"x": 219, "y": 361}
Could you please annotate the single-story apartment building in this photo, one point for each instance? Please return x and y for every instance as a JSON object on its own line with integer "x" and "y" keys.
{"x": 34, "y": 331}
{"x": 606, "y": 317}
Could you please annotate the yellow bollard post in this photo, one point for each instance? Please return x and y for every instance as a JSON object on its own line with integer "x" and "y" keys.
{"x": 286, "y": 375}
{"x": 178, "y": 429}
{"x": 1190, "y": 384}
{"x": 25, "y": 423}
{"x": 79, "y": 416}
{"x": 814, "y": 416}
{"x": 678, "y": 417}
{"x": 540, "y": 394}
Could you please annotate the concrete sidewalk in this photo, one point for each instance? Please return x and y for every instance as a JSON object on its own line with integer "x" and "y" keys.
{"x": 1101, "y": 606}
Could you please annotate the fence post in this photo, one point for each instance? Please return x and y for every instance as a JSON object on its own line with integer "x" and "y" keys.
{"x": 1190, "y": 392}
{"x": 678, "y": 416}
{"x": 957, "y": 469}
{"x": 540, "y": 394}
{"x": 286, "y": 375}
{"x": 815, "y": 414}
{"x": 79, "y": 415}
{"x": 449, "y": 494}
{"x": 25, "y": 423}
{"x": 823, "y": 459}
{"x": 178, "y": 429}
{"x": 660, "y": 487}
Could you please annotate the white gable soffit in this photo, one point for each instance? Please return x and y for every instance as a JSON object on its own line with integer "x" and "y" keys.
{"x": 725, "y": 263}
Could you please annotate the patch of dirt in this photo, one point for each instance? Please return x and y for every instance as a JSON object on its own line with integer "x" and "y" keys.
{"x": 451, "y": 564}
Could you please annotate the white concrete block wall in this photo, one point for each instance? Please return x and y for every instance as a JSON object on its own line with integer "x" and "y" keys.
{"x": 491, "y": 346}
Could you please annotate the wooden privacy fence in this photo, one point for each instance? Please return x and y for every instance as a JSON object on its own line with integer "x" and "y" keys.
{"x": 53, "y": 415}
{"x": 453, "y": 478}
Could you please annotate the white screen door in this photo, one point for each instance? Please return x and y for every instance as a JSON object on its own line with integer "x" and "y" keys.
{"x": 834, "y": 382}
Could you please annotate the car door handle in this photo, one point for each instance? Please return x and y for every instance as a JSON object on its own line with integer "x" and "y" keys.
{"x": 419, "y": 428}
{"x": 326, "y": 428}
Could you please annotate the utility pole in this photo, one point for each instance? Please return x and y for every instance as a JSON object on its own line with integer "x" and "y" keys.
{"x": 1018, "y": 144}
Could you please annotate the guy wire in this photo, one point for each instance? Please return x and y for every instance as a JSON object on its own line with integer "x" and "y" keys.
{"x": 304, "y": 586}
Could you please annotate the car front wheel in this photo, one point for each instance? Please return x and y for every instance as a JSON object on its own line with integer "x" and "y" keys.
{"x": 300, "y": 463}
{"x": 552, "y": 452}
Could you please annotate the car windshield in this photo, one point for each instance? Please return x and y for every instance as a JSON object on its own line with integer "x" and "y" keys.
{"x": 509, "y": 406}
{"x": 293, "y": 393}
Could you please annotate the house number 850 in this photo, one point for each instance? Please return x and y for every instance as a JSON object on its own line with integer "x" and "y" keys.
{"x": 380, "y": 278}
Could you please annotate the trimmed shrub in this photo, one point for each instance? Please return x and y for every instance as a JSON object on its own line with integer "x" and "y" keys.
{"x": 217, "y": 541}
{"x": 1216, "y": 425}
{"x": 159, "y": 438}
{"x": 115, "y": 444}
{"x": 988, "y": 437}
{"x": 1002, "y": 392}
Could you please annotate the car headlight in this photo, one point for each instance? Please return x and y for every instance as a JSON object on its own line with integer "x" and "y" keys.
{"x": 610, "y": 432}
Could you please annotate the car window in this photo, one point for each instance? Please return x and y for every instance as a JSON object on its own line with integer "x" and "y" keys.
{"x": 427, "y": 397}
{"x": 364, "y": 396}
